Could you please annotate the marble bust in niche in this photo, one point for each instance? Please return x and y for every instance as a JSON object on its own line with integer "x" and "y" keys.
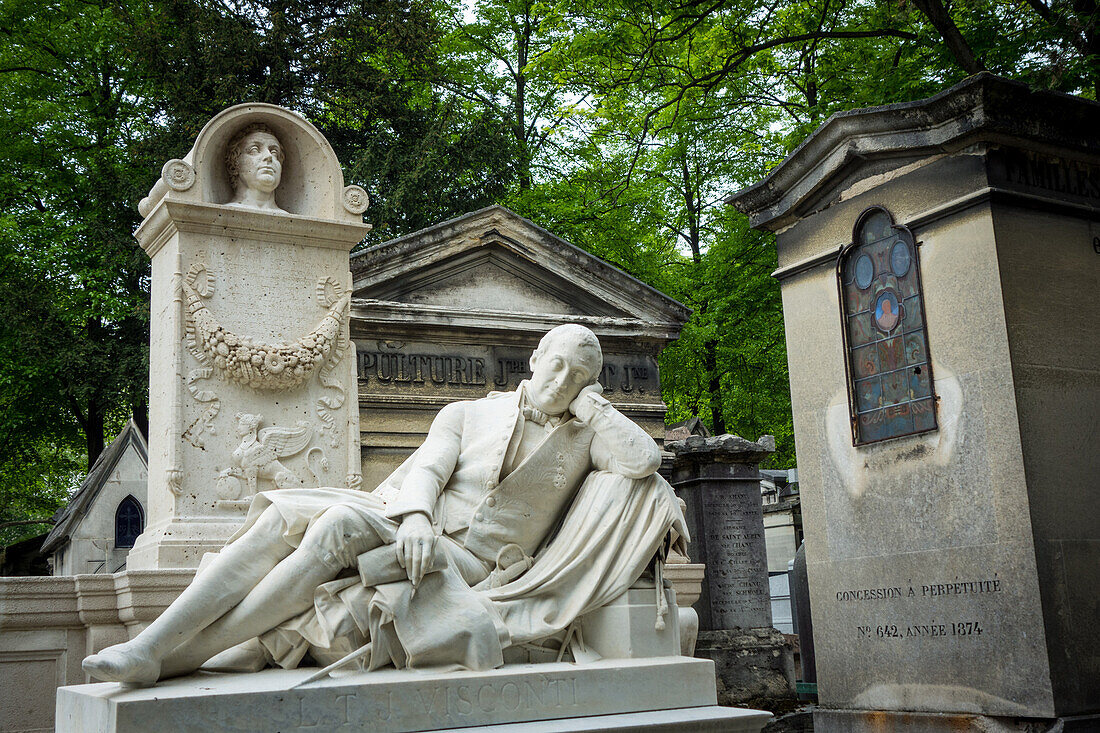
{"x": 254, "y": 161}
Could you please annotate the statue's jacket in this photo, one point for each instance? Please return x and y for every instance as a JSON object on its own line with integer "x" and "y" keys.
{"x": 586, "y": 504}
{"x": 455, "y": 476}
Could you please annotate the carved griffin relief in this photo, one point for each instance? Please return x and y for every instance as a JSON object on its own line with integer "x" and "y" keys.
{"x": 257, "y": 458}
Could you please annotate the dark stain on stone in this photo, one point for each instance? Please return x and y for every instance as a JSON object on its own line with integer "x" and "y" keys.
{"x": 917, "y": 451}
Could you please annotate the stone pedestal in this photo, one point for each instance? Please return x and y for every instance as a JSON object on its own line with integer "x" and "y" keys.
{"x": 252, "y": 370}
{"x": 953, "y": 568}
{"x": 49, "y": 624}
{"x": 626, "y": 627}
{"x": 719, "y": 480}
{"x": 753, "y": 666}
{"x": 658, "y": 694}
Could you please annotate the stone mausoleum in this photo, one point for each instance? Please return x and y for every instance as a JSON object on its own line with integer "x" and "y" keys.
{"x": 94, "y": 532}
{"x": 454, "y": 311}
{"x": 939, "y": 262}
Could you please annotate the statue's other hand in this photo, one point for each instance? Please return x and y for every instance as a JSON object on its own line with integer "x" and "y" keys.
{"x": 415, "y": 545}
{"x": 582, "y": 406}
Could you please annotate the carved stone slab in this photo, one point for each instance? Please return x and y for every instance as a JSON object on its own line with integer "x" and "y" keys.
{"x": 719, "y": 479}
{"x": 400, "y": 700}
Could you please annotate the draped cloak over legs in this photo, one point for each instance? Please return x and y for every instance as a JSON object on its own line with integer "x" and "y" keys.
{"x": 611, "y": 531}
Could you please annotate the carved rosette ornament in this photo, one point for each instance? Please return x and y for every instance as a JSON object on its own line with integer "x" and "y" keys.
{"x": 355, "y": 199}
{"x": 178, "y": 175}
{"x": 256, "y": 364}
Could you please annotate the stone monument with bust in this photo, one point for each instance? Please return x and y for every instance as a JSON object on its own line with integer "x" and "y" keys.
{"x": 254, "y": 162}
{"x": 520, "y": 531}
{"x": 249, "y": 236}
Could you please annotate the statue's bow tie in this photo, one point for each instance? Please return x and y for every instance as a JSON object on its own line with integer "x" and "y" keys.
{"x": 539, "y": 417}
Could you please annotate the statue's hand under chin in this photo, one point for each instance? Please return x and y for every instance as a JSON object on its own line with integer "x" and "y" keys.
{"x": 582, "y": 406}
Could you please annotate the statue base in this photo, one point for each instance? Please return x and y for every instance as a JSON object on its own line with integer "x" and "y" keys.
{"x": 661, "y": 693}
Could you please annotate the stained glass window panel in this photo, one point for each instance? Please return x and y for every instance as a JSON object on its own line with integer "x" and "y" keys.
{"x": 886, "y": 338}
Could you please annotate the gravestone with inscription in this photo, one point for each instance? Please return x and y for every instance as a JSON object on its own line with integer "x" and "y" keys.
{"x": 939, "y": 261}
{"x": 719, "y": 480}
{"x": 453, "y": 312}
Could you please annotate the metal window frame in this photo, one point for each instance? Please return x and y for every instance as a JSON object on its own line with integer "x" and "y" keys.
{"x": 141, "y": 516}
{"x": 853, "y": 407}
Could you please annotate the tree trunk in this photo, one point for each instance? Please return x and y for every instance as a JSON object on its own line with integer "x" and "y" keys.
{"x": 139, "y": 410}
{"x": 519, "y": 129}
{"x": 941, "y": 20}
{"x": 1090, "y": 35}
{"x": 710, "y": 347}
{"x": 93, "y": 431}
{"x": 714, "y": 384}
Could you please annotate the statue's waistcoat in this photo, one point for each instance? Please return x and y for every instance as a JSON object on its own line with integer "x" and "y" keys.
{"x": 523, "y": 507}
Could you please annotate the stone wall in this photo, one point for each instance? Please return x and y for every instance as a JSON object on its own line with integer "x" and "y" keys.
{"x": 50, "y": 624}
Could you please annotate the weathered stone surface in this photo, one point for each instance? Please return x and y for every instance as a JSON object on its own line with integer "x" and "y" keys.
{"x": 724, "y": 448}
{"x": 753, "y": 666}
{"x": 982, "y": 106}
{"x": 908, "y": 722}
{"x": 949, "y": 571}
{"x": 392, "y": 700}
{"x": 719, "y": 480}
{"x": 800, "y": 600}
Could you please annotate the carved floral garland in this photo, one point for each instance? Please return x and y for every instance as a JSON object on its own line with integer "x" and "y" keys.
{"x": 256, "y": 364}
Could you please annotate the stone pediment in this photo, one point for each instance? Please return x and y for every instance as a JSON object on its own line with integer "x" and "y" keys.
{"x": 130, "y": 439}
{"x": 495, "y": 260}
{"x": 491, "y": 277}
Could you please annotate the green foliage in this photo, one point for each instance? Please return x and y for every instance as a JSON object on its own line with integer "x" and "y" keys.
{"x": 73, "y": 324}
{"x": 34, "y": 485}
{"x": 619, "y": 125}
{"x": 98, "y": 94}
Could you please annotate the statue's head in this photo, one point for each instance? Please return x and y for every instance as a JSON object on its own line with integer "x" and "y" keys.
{"x": 247, "y": 423}
{"x": 254, "y": 161}
{"x": 567, "y": 360}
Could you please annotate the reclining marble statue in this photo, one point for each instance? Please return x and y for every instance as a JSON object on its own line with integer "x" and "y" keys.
{"x": 519, "y": 513}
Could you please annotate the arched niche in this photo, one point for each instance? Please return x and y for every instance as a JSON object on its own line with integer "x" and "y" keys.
{"x": 312, "y": 181}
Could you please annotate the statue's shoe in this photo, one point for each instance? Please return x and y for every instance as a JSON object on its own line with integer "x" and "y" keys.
{"x": 123, "y": 663}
